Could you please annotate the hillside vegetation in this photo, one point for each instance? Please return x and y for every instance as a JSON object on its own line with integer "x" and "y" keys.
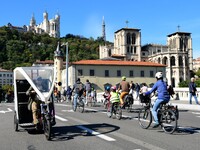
{"x": 23, "y": 49}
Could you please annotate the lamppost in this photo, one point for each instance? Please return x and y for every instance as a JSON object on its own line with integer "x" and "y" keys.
{"x": 67, "y": 60}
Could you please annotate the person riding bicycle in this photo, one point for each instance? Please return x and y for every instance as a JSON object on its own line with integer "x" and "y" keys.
{"x": 79, "y": 88}
{"x": 124, "y": 87}
{"x": 113, "y": 98}
{"x": 163, "y": 96}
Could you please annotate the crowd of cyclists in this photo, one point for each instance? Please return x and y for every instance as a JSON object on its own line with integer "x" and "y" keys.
{"x": 116, "y": 93}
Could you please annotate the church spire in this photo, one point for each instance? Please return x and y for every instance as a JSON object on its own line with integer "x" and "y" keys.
{"x": 103, "y": 30}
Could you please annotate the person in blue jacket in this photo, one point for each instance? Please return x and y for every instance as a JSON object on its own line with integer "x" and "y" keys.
{"x": 163, "y": 96}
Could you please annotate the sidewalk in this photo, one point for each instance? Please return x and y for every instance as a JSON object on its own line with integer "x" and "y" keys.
{"x": 182, "y": 105}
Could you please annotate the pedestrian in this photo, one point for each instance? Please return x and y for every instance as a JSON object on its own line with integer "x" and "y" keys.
{"x": 88, "y": 91}
{"x": 132, "y": 88}
{"x": 63, "y": 94}
{"x": 193, "y": 91}
{"x": 137, "y": 90}
{"x": 69, "y": 94}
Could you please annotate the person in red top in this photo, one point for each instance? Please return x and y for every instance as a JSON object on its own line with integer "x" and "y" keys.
{"x": 124, "y": 87}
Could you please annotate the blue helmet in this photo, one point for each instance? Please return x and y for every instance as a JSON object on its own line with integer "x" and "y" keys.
{"x": 107, "y": 88}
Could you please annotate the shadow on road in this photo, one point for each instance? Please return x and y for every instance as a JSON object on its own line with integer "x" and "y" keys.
{"x": 64, "y": 133}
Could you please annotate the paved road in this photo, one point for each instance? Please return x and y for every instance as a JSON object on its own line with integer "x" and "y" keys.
{"x": 94, "y": 130}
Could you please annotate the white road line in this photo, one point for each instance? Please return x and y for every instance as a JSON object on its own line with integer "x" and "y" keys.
{"x": 196, "y": 113}
{"x": 137, "y": 141}
{"x": 104, "y": 137}
{"x": 60, "y": 118}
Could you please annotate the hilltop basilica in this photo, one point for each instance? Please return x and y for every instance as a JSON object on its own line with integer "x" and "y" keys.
{"x": 177, "y": 54}
{"x": 51, "y": 27}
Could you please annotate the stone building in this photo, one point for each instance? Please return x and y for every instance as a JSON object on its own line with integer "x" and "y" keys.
{"x": 176, "y": 54}
{"x": 51, "y": 27}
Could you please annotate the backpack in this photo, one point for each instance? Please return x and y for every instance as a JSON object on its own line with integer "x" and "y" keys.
{"x": 79, "y": 87}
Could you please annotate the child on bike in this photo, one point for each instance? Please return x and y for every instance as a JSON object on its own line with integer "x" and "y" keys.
{"x": 163, "y": 96}
{"x": 106, "y": 96}
{"x": 114, "y": 98}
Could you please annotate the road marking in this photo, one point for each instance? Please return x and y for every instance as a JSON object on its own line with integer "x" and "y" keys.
{"x": 104, "y": 137}
{"x": 67, "y": 110}
{"x": 60, "y": 118}
{"x": 4, "y": 111}
{"x": 196, "y": 113}
{"x": 136, "y": 141}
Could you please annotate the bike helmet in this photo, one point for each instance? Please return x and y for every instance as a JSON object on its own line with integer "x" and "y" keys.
{"x": 107, "y": 88}
{"x": 159, "y": 75}
{"x": 123, "y": 78}
{"x": 113, "y": 88}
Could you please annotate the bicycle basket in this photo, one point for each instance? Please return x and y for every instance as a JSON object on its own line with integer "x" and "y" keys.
{"x": 144, "y": 99}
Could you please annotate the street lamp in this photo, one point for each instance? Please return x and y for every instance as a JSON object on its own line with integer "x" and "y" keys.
{"x": 67, "y": 61}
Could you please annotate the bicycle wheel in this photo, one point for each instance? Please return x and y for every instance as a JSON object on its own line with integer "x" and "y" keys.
{"x": 74, "y": 109}
{"x": 145, "y": 118}
{"x": 129, "y": 107}
{"x": 47, "y": 128}
{"x": 81, "y": 106}
{"x": 168, "y": 121}
{"x": 118, "y": 112}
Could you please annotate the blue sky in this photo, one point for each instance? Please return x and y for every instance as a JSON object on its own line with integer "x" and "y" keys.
{"x": 155, "y": 18}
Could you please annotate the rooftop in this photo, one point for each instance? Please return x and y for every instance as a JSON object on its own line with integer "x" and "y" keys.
{"x": 118, "y": 63}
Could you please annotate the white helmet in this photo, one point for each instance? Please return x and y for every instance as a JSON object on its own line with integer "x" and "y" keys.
{"x": 159, "y": 75}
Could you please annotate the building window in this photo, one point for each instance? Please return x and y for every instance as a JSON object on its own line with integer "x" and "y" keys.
{"x": 142, "y": 73}
{"x": 127, "y": 49}
{"x": 91, "y": 72}
{"x": 131, "y": 73}
{"x": 10, "y": 75}
{"x": 151, "y": 74}
{"x": 135, "y": 50}
{"x": 0, "y": 75}
{"x": 106, "y": 73}
{"x": 7, "y": 75}
{"x": 80, "y": 72}
{"x": 4, "y": 75}
{"x": 131, "y": 49}
{"x": 118, "y": 73}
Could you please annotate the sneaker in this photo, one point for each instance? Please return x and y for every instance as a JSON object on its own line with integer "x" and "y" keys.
{"x": 156, "y": 125}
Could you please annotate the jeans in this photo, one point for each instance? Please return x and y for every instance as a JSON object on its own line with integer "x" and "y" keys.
{"x": 75, "y": 101}
{"x": 195, "y": 97}
{"x": 154, "y": 110}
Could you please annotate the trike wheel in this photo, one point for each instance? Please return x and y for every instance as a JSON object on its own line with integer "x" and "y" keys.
{"x": 15, "y": 122}
{"x": 145, "y": 118}
{"x": 47, "y": 128}
{"x": 168, "y": 121}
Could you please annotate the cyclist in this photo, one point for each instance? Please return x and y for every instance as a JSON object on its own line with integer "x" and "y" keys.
{"x": 163, "y": 96}
{"x": 106, "y": 96}
{"x": 113, "y": 98}
{"x": 79, "y": 88}
{"x": 124, "y": 87}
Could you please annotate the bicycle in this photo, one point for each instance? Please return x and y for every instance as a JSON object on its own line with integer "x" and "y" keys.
{"x": 116, "y": 110}
{"x": 167, "y": 115}
{"x": 80, "y": 104}
{"x": 128, "y": 102}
